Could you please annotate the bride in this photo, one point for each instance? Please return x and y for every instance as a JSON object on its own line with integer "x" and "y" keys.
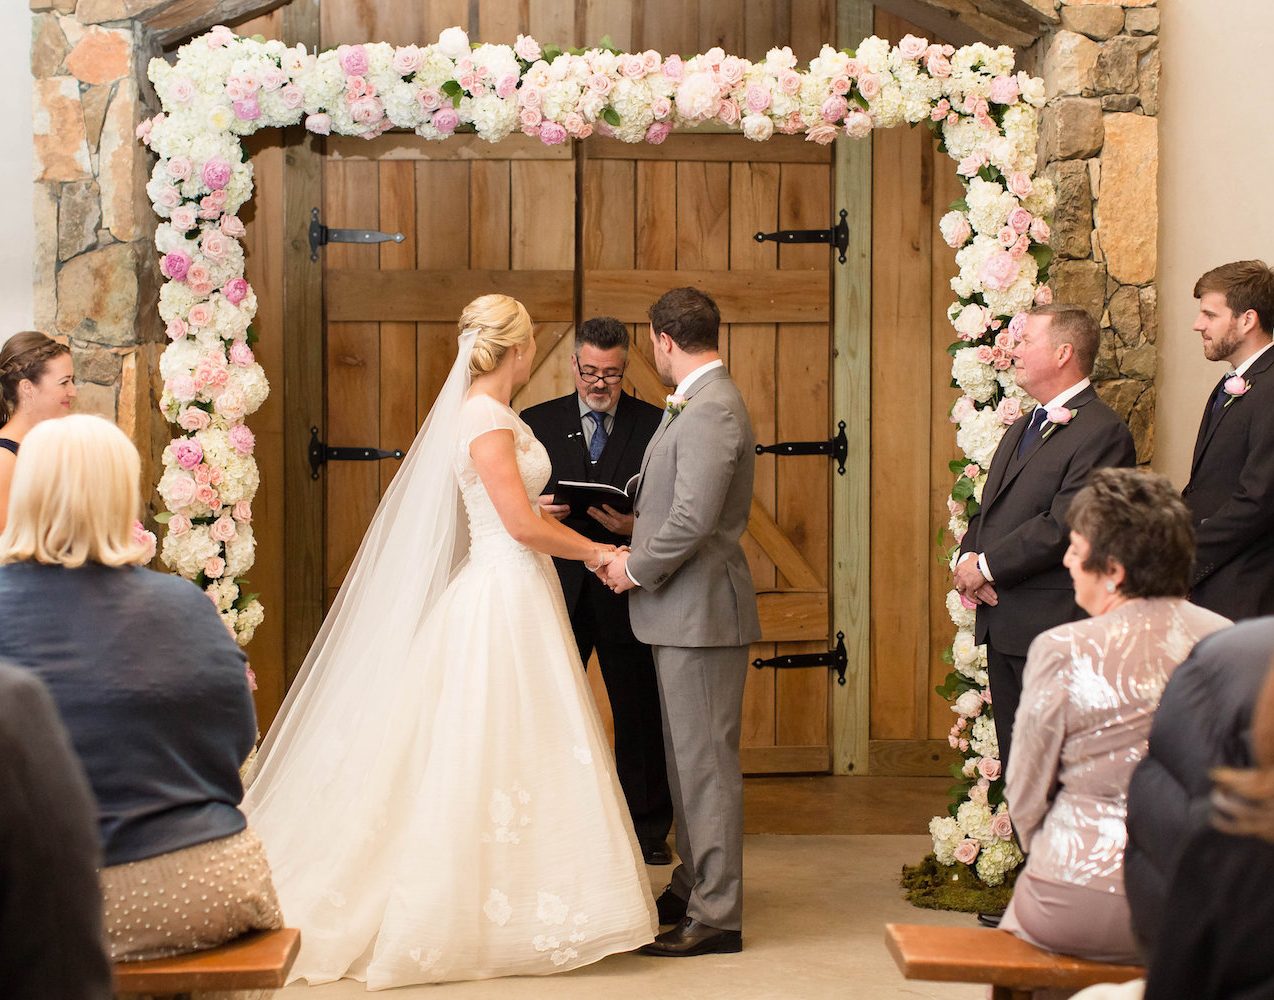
{"x": 437, "y": 797}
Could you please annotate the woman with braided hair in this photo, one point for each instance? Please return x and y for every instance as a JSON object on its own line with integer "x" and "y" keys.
{"x": 37, "y": 382}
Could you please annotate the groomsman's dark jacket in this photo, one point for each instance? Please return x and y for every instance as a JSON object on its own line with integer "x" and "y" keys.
{"x": 557, "y": 425}
{"x": 1231, "y": 498}
{"x": 1021, "y": 524}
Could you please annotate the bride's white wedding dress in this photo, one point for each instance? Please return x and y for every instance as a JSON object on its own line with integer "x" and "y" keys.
{"x": 468, "y": 822}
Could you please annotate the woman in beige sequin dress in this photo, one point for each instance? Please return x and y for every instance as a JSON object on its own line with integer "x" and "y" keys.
{"x": 1089, "y": 693}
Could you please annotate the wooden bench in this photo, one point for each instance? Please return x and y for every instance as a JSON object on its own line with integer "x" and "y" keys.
{"x": 256, "y": 961}
{"x": 1012, "y": 967}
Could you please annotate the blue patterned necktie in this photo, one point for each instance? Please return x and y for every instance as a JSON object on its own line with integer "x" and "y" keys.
{"x": 598, "y": 440}
{"x": 1032, "y": 432}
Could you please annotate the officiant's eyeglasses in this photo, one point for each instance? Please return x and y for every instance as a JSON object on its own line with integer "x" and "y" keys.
{"x": 593, "y": 377}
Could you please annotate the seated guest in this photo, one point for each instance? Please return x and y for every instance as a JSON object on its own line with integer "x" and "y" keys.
{"x": 1202, "y": 722}
{"x": 36, "y": 383}
{"x": 1090, "y": 690}
{"x": 51, "y": 942}
{"x": 150, "y": 686}
{"x": 1214, "y": 939}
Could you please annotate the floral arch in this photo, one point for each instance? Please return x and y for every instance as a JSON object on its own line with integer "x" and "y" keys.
{"x": 221, "y": 88}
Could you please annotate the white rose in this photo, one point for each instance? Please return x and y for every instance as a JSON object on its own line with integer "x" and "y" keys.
{"x": 968, "y": 704}
{"x": 758, "y": 128}
{"x": 453, "y": 43}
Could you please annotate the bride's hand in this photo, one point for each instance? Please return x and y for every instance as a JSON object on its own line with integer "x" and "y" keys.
{"x": 601, "y": 557}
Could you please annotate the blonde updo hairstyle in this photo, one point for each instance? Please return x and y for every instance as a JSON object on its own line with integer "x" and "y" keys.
{"x": 501, "y": 323}
{"x": 75, "y": 495}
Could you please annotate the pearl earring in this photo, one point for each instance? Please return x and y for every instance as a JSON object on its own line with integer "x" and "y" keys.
{"x": 1110, "y": 586}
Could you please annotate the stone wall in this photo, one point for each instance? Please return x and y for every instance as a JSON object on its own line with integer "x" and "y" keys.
{"x": 1099, "y": 143}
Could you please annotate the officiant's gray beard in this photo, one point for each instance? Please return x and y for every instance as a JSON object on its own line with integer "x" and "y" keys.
{"x": 599, "y": 402}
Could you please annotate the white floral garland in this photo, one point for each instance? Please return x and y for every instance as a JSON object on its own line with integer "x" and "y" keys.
{"x": 222, "y": 87}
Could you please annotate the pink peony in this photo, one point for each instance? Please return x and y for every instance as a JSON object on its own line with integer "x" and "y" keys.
{"x": 216, "y": 174}
{"x": 241, "y": 354}
{"x": 445, "y": 120}
{"x": 192, "y": 418}
{"x": 247, "y": 110}
{"x": 367, "y": 110}
{"x": 674, "y": 68}
{"x": 989, "y": 768}
{"x": 235, "y": 290}
{"x": 182, "y": 388}
{"x": 1003, "y": 90}
{"x": 231, "y": 404}
{"x": 214, "y": 568}
{"x": 858, "y": 124}
{"x": 966, "y": 851}
{"x": 834, "y": 108}
{"x": 353, "y": 59}
{"x": 998, "y": 271}
{"x": 242, "y": 512}
{"x": 1236, "y": 386}
{"x": 658, "y": 132}
{"x": 187, "y": 452}
{"x": 552, "y": 134}
{"x": 1060, "y": 416}
{"x": 175, "y": 265}
{"x": 144, "y": 539}
{"x": 319, "y": 124}
{"x": 1002, "y": 826}
{"x": 963, "y": 409}
{"x": 242, "y": 439}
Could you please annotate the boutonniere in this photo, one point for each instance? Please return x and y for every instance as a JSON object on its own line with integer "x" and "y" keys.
{"x": 1234, "y": 387}
{"x": 1058, "y": 416}
{"x": 675, "y": 403}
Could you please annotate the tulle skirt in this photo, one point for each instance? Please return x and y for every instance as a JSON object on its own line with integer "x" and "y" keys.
{"x": 491, "y": 837}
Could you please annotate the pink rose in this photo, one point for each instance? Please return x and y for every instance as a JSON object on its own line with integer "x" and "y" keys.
{"x": 1020, "y": 219}
{"x": 1002, "y": 826}
{"x": 834, "y": 108}
{"x": 1043, "y": 295}
{"x": 530, "y": 97}
{"x": 1060, "y": 416}
{"x": 1003, "y": 90}
{"x": 822, "y": 133}
{"x": 353, "y": 59}
{"x": 242, "y": 439}
{"x": 660, "y": 108}
{"x": 471, "y": 83}
{"x": 966, "y": 851}
{"x": 176, "y": 328}
{"x": 972, "y": 470}
{"x": 219, "y": 37}
{"x": 181, "y": 90}
{"x": 214, "y": 244}
{"x": 728, "y": 113}
{"x": 235, "y": 290}
{"x": 971, "y": 164}
{"x": 912, "y": 47}
{"x": 319, "y": 124}
{"x": 789, "y": 82}
{"x": 407, "y": 60}
{"x": 169, "y": 197}
{"x": 184, "y": 218}
{"x": 247, "y": 110}
{"x": 1019, "y": 184}
{"x": 998, "y": 271}
{"x": 1007, "y": 237}
{"x": 858, "y": 124}
{"x": 210, "y": 206}
{"x": 1005, "y": 341}
{"x": 732, "y": 69}
{"x": 272, "y": 78}
{"x": 223, "y": 529}
{"x": 292, "y": 96}
{"x": 216, "y": 174}
{"x": 507, "y": 87}
{"x": 984, "y": 354}
{"x": 674, "y": 68}
{"x": 179, "y": 168}
{"x": 757, "y": 98}
{"x": 530, "y": 118}
{"x": 232, "y": 226}
{"x": 552, "y": 134}
{"x": 599, "y": 83}
{"x": 200, "y": 314}
{"x": 1236, "y": 386}
{"x": 207, "y": 496}
{"x": 938, "y": 65}
{"x": 241, "y": 354}
{"x": 1039, "y": 230}
{"x": 962, "y": 409}
{"x": 242, "y": 512}
{"x": 203, "y": 475}
{"x": 658, "y": 132}
{"x": 989, "y": 768}
{"x": 869, "y": 85}
{"x": 1009, "y": 410}
{"x": 445, "y": 120}
{"x": 231, "y": 405}
{"x": 527, "y": 49}
{"x": 179, "y": 524}
{"x": 199, "y": 279}
{"x": 175, "y": 265}
{"x": 940, "y": 110}
{"x": 182, "y": 491}
{"x": 192, "y": 418}
{"x": 954, "y": 507}
{"x": 214, "y": 568}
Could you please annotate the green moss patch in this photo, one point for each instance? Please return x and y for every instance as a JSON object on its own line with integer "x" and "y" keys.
{"x": 933, "y": 886}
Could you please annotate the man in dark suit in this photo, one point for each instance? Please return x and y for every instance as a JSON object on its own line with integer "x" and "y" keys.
{"x": 1010, "y": 560}
{"x": 1231, "y": 488}
{"x": 599, "y": 434}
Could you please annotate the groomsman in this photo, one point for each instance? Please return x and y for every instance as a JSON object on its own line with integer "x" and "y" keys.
{"x": 1010, "y": 560}
{"x": 695, "y": 603}
{"x": 1231, "y": 488}
{"x": 598, "y": 433}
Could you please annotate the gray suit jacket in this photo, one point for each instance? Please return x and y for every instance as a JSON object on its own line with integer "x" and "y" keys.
{"x": 692, "y": 508}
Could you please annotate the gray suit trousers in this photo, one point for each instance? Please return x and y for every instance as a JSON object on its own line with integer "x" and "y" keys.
{"x": 701, "y": 690}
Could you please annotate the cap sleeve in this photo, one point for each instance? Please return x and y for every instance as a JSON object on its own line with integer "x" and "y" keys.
{"x": 482, "y": 414}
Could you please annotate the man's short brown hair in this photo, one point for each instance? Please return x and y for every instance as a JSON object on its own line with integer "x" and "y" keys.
{"x": 689, "y": 317}
{"x": 1073, "y": 325}
{"x": 1136, "y": 518}
{"x": 1246, "y": 284}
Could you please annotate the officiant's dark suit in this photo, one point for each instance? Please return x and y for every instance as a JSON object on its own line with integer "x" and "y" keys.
{"x": 599, "y": 618}
{"x": 1020, "y": 530}
{"x": 1231, "y": 487}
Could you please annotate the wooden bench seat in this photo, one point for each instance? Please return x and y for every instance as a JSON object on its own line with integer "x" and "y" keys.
{"x": 256, "y": 961}
{"x": 979, "y": 955}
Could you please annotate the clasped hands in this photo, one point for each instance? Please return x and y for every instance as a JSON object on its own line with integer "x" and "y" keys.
{"x": 611, "y": 570}
{"x": 973, "y": 587}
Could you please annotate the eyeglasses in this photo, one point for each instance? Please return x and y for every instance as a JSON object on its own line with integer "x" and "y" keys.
{"x": 590, "y": 377}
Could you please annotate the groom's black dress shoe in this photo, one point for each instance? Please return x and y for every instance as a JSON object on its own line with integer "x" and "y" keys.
{"x": 690, "y": 937}
{"x": 990, "y": 919}
{"x": 671, "y": 907}
{"x": 655, "y": 852}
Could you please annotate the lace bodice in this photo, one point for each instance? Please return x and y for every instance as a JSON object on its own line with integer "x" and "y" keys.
{"x": 487, "y": 534}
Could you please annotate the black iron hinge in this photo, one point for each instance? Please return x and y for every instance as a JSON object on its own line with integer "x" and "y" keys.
{"x": 836, "y": 659}
{"x": 837, "y": 236}
{"x": 321, "y": 235}
{"x": 321, "y": 453}
{"x": 837, "y": 447}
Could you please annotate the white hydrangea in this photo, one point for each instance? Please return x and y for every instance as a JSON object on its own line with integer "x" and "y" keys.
{"x": 187, "y": 553}
{"x": 989, "y": 206}
{"x": 982, "y": 739}
{"x": 240, "y": 551}
{"x": 975, "y": 378}
{"x": 963, "y": 618}
{"x": 996, "y": 860}
{"x": 247, "y": 621}
{"x": 974, "y": 818}
{"x": 946, "y": 834}
{"x": 223, "y": 593}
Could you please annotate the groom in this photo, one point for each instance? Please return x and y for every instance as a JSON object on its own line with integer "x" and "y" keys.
{"x": 694, "y": 602}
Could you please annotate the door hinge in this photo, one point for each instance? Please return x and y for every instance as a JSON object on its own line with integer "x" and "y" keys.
{"x": 835, "y": 659}
{"x": 321, "y": 453}
{"x": 321, "y": 235}
{"x": 837, "y": 447}
{"x": 837, "y": 236}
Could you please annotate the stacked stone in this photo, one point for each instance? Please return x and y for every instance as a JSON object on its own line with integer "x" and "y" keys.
{"x": 1099, "y": 144}
{"x": 96, "y": 279}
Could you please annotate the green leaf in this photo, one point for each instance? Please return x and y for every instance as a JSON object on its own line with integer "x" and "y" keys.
{"x": 1043, "y": 254}
{"x": 453, "y": 89}
{"x": 956, "y": 465}
{"x": 250, "y": 338}
{"x": 971, "y": 507}
{"x": 610, "y": 116}
{"x": 959, "y": 205}
{"x": 608, "y": 44}
{"x": 550, "y": 52}
{"x": 859, "y": 99}
{"x": 164, "y": 516}
{"x": 963, "y": 489}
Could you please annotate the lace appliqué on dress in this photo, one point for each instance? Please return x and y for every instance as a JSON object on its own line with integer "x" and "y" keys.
{"x": 506, "y": 816}
{"x": 555, "y": 911}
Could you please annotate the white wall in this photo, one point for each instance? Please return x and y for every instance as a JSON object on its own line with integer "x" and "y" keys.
{"x": 17, "y": 239}
{"x": 1216, "y": 188}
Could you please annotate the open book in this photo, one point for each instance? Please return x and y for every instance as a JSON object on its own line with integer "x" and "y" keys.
{"x": 581, "y": 496}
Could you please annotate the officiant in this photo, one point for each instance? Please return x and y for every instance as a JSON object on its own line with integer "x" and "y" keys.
{"x": 599, "y": 434}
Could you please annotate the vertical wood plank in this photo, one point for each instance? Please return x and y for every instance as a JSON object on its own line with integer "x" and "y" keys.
{"x": 667, "y": 26}
{"x": 442, "y": 240}
{"x": 762, "y": 30}
{"x": 608, "y": 211}
{"x": 542, "y": 214}
{"x": 554, "y": 21}
{"x": 754, "y": 207}
{"x": 438, "y": 15}
{"x": 607, "y": 18}
{"x": 812, "y": 26}
{"x": 397, "y": 340}
{"x": 703, "y": 217}
{"x": 504, "y": 20}
{"x": 656, "y": 237}
{"x": 721, "y": 23}
{"x": 489, "y": 221}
